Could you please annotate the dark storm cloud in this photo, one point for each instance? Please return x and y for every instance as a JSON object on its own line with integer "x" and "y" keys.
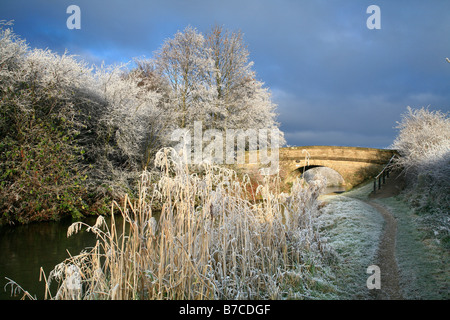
{"x": 334, "y": 80}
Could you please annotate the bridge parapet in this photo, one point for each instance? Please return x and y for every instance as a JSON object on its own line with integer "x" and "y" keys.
{"x": 354, "y": 164}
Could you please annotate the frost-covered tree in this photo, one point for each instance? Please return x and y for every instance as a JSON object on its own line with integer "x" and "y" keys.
{"x": 240, "y": 100}
{"x": 230, "y": 73}
{"x": 183, "y": 61}
{"x": 211, "y": 80}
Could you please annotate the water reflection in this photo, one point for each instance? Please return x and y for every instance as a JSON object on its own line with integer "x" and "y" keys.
{"x": 26, "y": 248}
{"x": 333, "y": 190}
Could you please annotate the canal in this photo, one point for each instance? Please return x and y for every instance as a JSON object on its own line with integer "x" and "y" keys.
{"x": 24, "y": 249}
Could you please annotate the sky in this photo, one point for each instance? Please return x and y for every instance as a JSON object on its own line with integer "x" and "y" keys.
{"x": 335, "y": 81}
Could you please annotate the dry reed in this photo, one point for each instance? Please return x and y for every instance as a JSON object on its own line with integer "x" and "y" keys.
{"x": 209, "y": 242}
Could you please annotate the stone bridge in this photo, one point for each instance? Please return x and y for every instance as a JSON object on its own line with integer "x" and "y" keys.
{"x": 354, "y": 164}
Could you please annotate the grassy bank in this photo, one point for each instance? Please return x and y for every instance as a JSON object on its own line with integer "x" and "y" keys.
{"x": 422, "y": 250}
{"x": 422, "y": 256}
{"x": 352, "y": 228}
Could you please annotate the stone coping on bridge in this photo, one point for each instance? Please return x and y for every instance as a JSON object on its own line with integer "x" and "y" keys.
{"x": 337, "y": 147}
{"x": 336, "y": 153}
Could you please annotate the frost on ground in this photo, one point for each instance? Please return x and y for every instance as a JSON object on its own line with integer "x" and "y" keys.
{"x": 353, "y": 230}
{"x": 423, "y": 259}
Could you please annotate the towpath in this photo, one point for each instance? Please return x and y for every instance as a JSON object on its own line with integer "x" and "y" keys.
{"x": 385, "y": 258}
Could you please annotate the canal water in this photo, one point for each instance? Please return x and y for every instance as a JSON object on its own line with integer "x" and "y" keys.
{"x": 333, "y": 190}
{"x": 24, "y": 249}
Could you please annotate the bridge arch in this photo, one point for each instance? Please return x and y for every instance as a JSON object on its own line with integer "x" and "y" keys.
{"x": 354, "y": 164}
{"x": 312, "y": 172}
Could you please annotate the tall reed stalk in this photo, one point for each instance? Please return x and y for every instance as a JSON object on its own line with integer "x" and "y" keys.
{"x": 211, "y": 240}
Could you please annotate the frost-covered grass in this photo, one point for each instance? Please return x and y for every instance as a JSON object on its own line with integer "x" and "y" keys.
{"x": 422, "y": 246}
{"x": 352, "y": 228}
{"x": 422, "y": 254}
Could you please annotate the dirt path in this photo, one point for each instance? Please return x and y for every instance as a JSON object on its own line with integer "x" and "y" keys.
{"x": 385, "y": 259}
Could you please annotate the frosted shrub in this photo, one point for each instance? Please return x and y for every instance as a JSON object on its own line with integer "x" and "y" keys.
{"x": 38, "y": 162}
{"x": 128, "y": 125}
{"x": 70, "y": 134}
{"x": 424, "y": 145}
{"x": 209, "y": 241}
{"x": 12, "y": 51}
{"x": 424, "y": 137}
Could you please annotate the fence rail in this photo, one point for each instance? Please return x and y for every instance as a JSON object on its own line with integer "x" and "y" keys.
{"x": 381, "y": 177}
